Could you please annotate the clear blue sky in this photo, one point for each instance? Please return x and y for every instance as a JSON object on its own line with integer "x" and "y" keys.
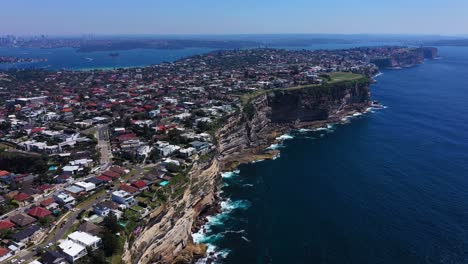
{"x": 58, "y": 17}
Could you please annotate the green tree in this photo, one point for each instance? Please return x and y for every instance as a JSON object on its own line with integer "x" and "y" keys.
{"x": 110, "y": 243}
{"x": 110, "y": 223}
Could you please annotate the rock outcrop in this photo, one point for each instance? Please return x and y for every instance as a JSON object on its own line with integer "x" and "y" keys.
{"x": 409, "y": 58}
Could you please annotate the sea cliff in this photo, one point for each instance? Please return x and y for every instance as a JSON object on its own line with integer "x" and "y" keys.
{"x": 244, "y": 136}
{"x": 412, "y": 57}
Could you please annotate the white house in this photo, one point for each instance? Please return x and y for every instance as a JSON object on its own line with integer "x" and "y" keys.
{"x": 85, "y": 239}
{"x": 87, "y": 186}
{"x": 64, "y": 198}
{"x": 123, "y": 197}
{"x": 73, "y": 251}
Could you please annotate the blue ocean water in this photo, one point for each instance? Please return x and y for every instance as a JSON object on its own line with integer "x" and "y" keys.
{"x": 69, "y": 58}
{"x": 388, "y": 187}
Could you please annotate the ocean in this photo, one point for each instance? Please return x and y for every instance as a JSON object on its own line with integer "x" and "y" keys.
{"x": 389, "y": 186}
{"x": 70, "y": 59}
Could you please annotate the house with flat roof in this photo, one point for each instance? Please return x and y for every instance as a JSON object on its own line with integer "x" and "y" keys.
{"x": 123, "y": 197}
{"x": 85, "y": 239}
{"x": 72, "y": 251}
{"x": 64, "y": 198}
{"x": 87, "y": 186}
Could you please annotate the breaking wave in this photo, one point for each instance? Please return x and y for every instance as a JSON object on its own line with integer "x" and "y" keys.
{"x": 206, "y": 235}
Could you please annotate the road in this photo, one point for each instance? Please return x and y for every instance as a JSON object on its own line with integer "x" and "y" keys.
{"x": 102, "y": 135}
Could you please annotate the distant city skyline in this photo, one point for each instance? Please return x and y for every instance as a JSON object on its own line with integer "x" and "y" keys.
{"x": 104, "y": 17}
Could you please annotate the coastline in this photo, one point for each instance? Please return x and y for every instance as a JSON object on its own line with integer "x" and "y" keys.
{"x": 230, "y": 168}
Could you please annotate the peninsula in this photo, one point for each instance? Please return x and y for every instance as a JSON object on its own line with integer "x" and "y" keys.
{"x": 122, "y": 166}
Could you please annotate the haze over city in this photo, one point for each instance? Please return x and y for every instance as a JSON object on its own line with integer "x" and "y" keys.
{"x": 54, "y": 17}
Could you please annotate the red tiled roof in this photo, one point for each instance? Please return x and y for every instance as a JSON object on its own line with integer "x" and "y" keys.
{"x": 44, "y": 187}
{"x": 37, "y": 129}
{"x": 21, "y": 197}
{"x": 4, "y": 173}
{"x": 104, "y": 178}
{"x": 6, "y": 224}
{"x": 110, "y": 174}
{"x": 139, "y": 184}
{"x": 39, "y": 212}
{"x": 47, "y": 202}
{"x": 3, "y": 251}
{"x": 128, "y": 188}
{"x": 118, "y": 170}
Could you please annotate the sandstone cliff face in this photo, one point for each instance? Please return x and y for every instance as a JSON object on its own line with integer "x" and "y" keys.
{"x": 168, "y": 229}
{"x": 407, "y": 59}
{"x": 167, "y": 235}
{"x": 285, "y": 109}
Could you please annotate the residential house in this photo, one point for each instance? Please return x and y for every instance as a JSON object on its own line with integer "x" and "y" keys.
{"x": 72, "y": 251}
{"x": 53, "y": 257}
{"x": 4, "y": 254}
{"x": 123, "y": 197}
{"x": 6, "y": 224}
{"x": 23, "y": 236}
{"x": 39, "y": 212}
{"x": 64, "y": 198}
{"x": 22, "y": 220}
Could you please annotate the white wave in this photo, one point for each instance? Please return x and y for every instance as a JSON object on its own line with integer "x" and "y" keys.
{"x": 203, "y": 235}
{"x": 284, "y": 137}
{"x": 245, "y": 239}
{"x": 304, "y": 130}
{"x": 276, "y": 156}
{"x": 257, "y": 161}
{"x": 230, "y": 174}
{"x": 248, "y": 185}
{"x": 320, "y": 129}
{"x": 230, "y": 205}
{"x": 378, "y": 74}
{"x": 275, "y": 147}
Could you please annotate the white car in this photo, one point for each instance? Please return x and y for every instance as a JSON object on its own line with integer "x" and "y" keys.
{"x": 13, "y": 260}
{"x": 21, "y": 261}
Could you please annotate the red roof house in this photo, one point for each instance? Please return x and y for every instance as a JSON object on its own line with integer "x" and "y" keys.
{"x": 110, "y": 174}
{"x": 104, "y": 178}
{"x": 6, "y": 224}
{"x": 39, "y": 212}
{"x": 47, "y": 202}
{"x": 44, "y": 187}
{"x": 21, "y": 197}
{"x": 139, "y": 184}
{"x": 3, "y": 252}
{"x": 128, "y": 188}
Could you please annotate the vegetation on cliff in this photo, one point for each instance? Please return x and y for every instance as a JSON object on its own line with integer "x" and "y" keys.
{"x": 341, "y": 78}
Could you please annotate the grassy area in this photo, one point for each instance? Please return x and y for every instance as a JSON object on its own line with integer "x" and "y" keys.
{"x": 344, "y": 76}
{"x": 90, "y": 200}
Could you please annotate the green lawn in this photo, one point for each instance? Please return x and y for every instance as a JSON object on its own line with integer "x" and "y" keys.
{"x": 344, "y": 76}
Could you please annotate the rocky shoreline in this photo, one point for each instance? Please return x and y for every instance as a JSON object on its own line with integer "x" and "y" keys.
{"x": 244, "y": 138}
{"x": 261, "y": 153}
